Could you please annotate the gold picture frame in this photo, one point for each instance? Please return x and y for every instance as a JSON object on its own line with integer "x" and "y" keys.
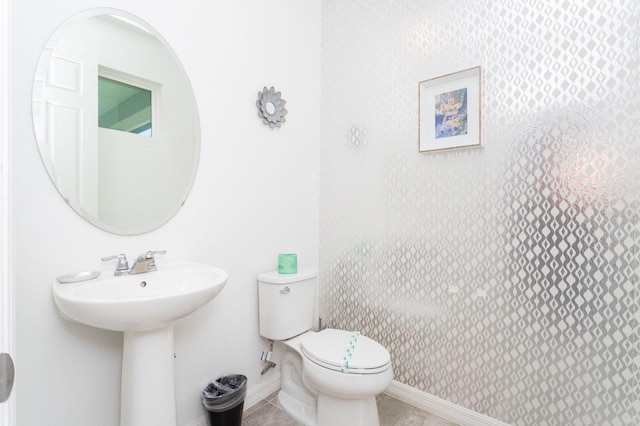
{"x": 449, "y": 111}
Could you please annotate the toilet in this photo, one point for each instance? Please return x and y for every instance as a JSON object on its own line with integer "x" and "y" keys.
{"x": 330, "y": 377}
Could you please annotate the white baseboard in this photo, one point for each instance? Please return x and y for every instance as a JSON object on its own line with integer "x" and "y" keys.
{"x": 201, "y": 421}
{"x": 440, "y": 407}
{"x": 405, "y": 393}
{"x": 262, "y": 390}
{"x": 255, "y": 394}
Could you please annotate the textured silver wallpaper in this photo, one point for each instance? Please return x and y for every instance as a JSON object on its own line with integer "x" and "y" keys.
{"x": 505, "y": 278}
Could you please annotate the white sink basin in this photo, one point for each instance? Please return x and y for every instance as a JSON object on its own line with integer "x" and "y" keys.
{"x": 144, "y": 307}
{"x": 141, "y": 301}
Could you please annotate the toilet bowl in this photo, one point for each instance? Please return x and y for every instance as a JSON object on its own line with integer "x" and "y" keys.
{"x": 330, "y": 377}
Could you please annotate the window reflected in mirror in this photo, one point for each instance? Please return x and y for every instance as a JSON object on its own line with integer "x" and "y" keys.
{"x": 124, "y": 107}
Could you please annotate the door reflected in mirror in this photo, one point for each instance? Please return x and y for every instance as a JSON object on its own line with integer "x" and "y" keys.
{"x": 101, "y": 83}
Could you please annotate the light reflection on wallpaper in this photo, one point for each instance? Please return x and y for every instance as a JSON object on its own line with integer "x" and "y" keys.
{"x": 504, "y": 278}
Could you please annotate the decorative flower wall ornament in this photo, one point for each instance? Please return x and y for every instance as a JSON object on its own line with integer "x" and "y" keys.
{"x": 271, "y": 107}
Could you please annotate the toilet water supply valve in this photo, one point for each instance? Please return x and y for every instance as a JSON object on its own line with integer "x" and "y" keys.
{"x": 266, "y": 356}
{"x": 351, "y": 347}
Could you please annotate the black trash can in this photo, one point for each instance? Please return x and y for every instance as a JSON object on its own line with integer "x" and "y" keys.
{"x": 224, "y": 399}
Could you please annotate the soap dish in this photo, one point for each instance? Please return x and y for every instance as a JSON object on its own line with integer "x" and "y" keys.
{"x": 80, "y": 276}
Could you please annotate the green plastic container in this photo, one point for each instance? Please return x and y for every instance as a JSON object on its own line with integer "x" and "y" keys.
{"x": 288, "y": 263}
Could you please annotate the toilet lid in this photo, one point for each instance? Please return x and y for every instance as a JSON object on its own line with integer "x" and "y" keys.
{"x": 346, "y": 351}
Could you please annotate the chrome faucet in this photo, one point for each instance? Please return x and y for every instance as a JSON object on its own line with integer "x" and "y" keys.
{"x": 146, "y": 262}
{"x": 143, "y": 263}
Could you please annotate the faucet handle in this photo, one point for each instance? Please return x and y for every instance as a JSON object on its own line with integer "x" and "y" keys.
{"x": 123, "y": 263}
{"x": 150, "y": 254}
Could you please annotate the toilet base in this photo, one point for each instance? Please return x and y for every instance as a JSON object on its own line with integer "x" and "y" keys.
{"x": 305, "y": 414}
{"x": 332, "y": 411}
{"x": 360, "y": 412}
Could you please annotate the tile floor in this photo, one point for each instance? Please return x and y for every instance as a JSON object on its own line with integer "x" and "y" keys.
{"x": 392, "y": 412}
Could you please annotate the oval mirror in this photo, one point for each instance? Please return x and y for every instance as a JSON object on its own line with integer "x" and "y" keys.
{"x": 116, "y": 121}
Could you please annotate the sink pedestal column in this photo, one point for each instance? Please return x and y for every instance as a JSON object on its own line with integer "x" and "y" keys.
{"x": 148, "y": 396}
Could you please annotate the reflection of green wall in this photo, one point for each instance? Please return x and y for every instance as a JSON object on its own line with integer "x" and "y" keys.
{"x": 123, "y": 107}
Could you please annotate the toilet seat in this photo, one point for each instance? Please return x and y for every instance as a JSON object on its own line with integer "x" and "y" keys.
{"x": 346, "y": 351}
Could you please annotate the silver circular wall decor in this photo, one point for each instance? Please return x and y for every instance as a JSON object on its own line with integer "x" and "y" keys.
{"x": 116, "y": 121}
{"x": 271, "y": 107}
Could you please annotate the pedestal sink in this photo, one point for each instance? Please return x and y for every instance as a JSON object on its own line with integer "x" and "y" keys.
{"x": 144, "y": 307}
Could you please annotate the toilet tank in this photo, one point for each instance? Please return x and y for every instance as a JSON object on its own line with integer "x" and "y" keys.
{"x": 286, "y": 303}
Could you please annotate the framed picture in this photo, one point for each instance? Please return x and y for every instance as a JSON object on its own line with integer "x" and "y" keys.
{"x": 449, "y": 111}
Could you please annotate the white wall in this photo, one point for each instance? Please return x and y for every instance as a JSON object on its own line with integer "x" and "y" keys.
{"x": 256, "y": 195}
